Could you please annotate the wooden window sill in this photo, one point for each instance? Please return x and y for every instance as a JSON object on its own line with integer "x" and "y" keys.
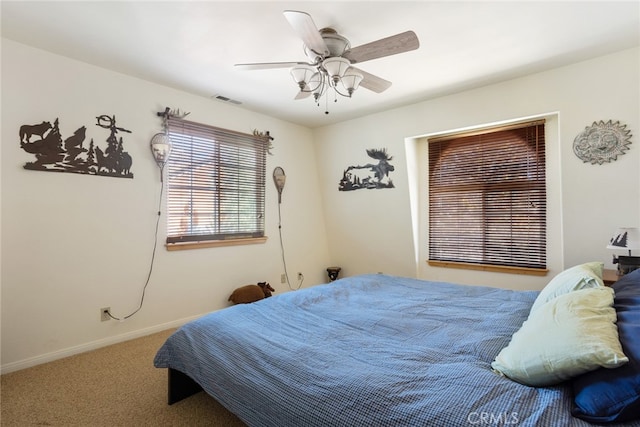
{"x": 493, "y": 268}
{"x": 214, "y": 243}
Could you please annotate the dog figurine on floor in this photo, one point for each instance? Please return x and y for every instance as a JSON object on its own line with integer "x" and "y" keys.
{"x": 251, "y": 293}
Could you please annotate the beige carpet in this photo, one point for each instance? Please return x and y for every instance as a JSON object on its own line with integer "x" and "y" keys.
{"x": 111, "y": 386}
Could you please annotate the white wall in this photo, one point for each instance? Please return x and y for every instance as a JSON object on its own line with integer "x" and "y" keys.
{"x": 72, "y": 243}
{"x": 371, "y": 231}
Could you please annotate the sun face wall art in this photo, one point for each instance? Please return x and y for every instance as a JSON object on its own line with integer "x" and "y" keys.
{"x": 602, "y": 142}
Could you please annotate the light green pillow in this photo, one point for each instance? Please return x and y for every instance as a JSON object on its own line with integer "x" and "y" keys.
{"x": 569, "y": 335}
{"x": 588, "y": 275}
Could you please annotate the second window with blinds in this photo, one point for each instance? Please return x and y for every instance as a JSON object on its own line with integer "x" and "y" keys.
{"x": 216, "y": 186}
{"x": 487, "y": 199}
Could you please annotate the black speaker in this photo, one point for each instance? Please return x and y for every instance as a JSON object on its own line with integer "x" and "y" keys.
{"x": 626, "y": 264}
{"x": 333, "y": 272}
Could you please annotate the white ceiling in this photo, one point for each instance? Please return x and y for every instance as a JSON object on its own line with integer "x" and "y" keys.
{"x": 193, "y": 46}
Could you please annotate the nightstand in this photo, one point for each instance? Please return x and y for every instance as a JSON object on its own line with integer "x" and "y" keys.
{"x": 609, "y": 277}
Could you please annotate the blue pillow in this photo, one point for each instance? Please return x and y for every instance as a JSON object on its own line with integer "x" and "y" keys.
{"x": 613, "y": 395}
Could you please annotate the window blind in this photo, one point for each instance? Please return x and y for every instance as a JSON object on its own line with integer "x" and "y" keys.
{"x": 487, "y": 197}
{"x": 216, "y": 183}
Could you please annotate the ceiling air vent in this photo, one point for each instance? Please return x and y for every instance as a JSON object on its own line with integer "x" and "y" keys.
{"x": 225, "y": 99}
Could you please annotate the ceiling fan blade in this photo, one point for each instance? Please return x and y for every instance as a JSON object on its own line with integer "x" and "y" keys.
{"x": 268, "y": 65}
{"x": 304, "y": 26}
{"x": 373, "y": 83}
{"x": 303, "y": 95}
{"x": 392, "y": 45}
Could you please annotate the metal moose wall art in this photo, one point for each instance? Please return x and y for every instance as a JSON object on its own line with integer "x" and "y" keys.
{"x": 53, "y": 154}
{"x": 369, "y": 176}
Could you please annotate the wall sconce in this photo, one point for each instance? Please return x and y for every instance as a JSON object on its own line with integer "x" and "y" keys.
{"x": 161, "y": 150}
{"x": 626, "y": 238}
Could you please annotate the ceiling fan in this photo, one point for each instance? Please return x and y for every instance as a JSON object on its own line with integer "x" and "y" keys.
{"x": 331, "y": 58}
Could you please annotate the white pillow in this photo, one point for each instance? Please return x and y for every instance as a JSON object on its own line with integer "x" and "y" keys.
{"x": 569, "y": 335}
{"x": 588, "y": 275}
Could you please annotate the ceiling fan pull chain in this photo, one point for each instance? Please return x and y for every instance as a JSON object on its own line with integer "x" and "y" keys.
{"x": 326, "y": 103}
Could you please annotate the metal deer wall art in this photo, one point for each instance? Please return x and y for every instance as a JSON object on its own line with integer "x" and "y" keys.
{"x": 71, "y": 154}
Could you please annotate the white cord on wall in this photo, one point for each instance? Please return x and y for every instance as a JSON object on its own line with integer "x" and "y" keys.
{"x": 284, "y": 261}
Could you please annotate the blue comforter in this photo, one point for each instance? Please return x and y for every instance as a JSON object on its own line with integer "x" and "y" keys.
{"x": 370, "y": 350}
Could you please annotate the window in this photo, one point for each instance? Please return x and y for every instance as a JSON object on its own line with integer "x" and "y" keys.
{"x": 487, "y": 199}
{"x": 216, "y": 184}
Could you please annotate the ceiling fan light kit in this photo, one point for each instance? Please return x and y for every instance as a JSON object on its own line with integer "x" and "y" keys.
{"x": 351, "y": 80}
{"x": 336, "y": 67}
{"x": 331, "y": 59}
{"x": 327, "y": 74}
{"x": 302, "y": 75}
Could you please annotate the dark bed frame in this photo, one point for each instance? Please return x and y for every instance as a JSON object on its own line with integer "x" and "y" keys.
{"x": 180, "y": 386}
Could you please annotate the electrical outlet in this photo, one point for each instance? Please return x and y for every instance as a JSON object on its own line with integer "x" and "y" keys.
{"x": 300, "y": 276}
{"x": 283, "y": 278}
{"x": 104, "y": 314}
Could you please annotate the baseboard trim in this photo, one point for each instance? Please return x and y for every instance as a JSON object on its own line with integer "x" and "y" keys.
{"x": 93, "y": 345}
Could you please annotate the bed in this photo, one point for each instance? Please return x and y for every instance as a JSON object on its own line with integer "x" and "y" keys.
{"x": 370, "y": 350}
